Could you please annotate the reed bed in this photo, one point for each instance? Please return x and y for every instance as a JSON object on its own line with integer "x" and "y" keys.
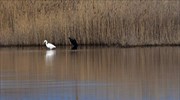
{"x": 91, "y": 22}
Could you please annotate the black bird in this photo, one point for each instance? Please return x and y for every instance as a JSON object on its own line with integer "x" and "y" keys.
{"x": 74, "y": 43}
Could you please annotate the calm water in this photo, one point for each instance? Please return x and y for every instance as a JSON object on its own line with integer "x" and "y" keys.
{"x": 93, "y": 73}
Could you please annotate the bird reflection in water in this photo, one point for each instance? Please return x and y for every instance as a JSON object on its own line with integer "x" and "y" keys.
{"x": 50, "y": 57}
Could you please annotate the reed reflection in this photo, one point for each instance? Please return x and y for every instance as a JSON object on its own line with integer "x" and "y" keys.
{"x": 92, "y": 73}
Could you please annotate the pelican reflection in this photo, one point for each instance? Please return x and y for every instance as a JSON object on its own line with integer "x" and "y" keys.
{"x": 50, "y": 57}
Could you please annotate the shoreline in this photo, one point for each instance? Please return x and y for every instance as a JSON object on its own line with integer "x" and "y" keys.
{"x": 97, "y": 45}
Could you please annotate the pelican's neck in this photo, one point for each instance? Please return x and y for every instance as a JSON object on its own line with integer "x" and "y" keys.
{"x": 46, "y": 42}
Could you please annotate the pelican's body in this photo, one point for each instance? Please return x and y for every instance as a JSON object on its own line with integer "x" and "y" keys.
{"x": 49, "y": 45}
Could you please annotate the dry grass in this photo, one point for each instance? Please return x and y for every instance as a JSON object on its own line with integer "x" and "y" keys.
{"x": 123, "y": 22}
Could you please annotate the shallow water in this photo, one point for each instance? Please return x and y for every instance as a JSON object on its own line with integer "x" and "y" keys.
{"x": 90, "y": 73}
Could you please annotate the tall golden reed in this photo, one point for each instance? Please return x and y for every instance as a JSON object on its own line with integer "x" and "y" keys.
{"x": 121, "y": 22}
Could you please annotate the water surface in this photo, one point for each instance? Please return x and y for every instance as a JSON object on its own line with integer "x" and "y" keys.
{"x": 90, "y": 73}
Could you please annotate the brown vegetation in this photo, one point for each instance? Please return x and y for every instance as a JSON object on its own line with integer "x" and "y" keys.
{"x": 123, "y": 22}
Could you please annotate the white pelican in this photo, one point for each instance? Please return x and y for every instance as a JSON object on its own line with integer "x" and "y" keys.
{"x": 49, "y": 45}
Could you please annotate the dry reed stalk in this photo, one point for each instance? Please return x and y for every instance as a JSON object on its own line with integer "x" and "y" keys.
{"x": 123, "y": 22}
